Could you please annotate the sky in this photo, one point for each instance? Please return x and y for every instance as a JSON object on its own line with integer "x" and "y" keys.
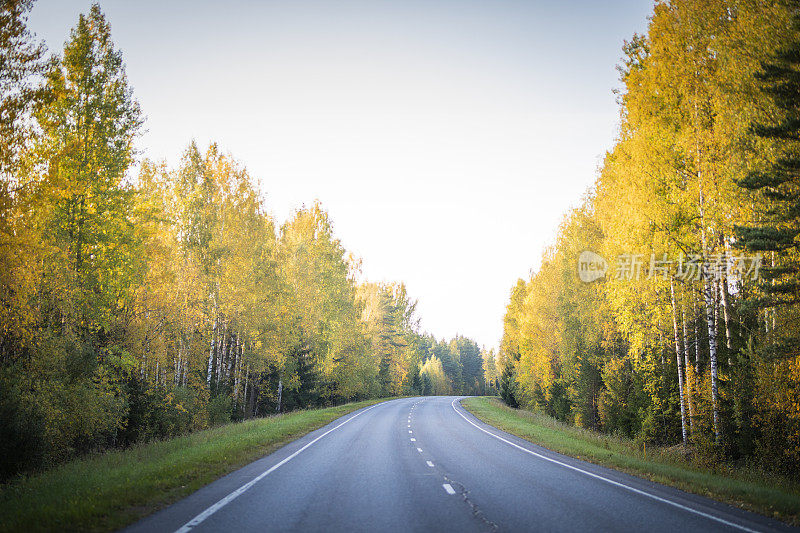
{"x": 447, "y": 139}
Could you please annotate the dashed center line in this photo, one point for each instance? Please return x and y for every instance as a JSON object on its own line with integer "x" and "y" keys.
{"x": 419, "y": 450}
{"x": 448, "y": 488}
{"x": 430, "y": 464}
{"x": 413, "y": 439}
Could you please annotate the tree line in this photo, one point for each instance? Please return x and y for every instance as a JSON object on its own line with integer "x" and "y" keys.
{"x": 143, "y": 306}
{"x": 692, "y": 335}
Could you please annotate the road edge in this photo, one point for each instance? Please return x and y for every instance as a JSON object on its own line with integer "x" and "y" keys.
{"x": 640, "y": 479}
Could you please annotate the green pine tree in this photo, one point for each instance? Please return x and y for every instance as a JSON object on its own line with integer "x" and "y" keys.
{"x": 778, "y": 225}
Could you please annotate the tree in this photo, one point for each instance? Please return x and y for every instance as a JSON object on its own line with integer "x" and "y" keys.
{"x": 384, "y": 315}
{"x": 322, "y": 297}
{"x": 88, "y": 128}
{"x": 469, "y": 353}
{"x": 490, "y": 374}
{"x": 22, "y": 63}
{"x": 773, "y": 230}
{"x": 436, "y": 382}
{"x": 508, "y": 385}
{"x": 700, "y": 353}
{"x": 777, "y": 226}
{"x": 451, "y": 364}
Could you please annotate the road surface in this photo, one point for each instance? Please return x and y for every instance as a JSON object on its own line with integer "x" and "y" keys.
{"x": 426, "y": 464}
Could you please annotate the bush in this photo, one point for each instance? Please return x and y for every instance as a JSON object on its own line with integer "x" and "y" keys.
{"x": 21, "y": 431}
{"x": 161, "y": 412}
{"x": 219, "y": 411}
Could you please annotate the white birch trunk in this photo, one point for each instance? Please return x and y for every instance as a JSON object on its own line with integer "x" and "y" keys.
{"x": 211, "y": 352}
{"x": 236, "y": 370}
{"x": 687, "y": 366}
{"x": 725, "y": 296}
{"x": 679, "y": 358}
{"x": 280, "y": 394}
{"x": 712, "y": 354}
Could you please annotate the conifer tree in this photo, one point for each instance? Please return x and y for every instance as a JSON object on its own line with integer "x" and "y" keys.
{"x": 777, "y": 227}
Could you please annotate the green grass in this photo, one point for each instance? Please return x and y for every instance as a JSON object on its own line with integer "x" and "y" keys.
{"x": 749, "y": 489}
{"x": 107, "y": 491}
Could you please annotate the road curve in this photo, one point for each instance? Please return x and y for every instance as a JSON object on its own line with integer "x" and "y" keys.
{"x": 425, "y": 464}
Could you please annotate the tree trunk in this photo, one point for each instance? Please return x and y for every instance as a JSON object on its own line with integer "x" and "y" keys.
{"x": 79, "y": 238}
{"x": 246, "y": 382}
{"x": 696, "y": 339}
{"x": 725, "y": 295}
{"x": 280, "y": 394}
{"x": 253, "y": 394}
{"x": 184, "y": 361}
{"x": 709, "y": 294}
{"x": 679, "y": 358}
{"x": 220, "y": 346}
{"x": 712, "y": 353}
{"x": 211, "y": 349}
{"x": 689, "y": 382}
{"x": 226, "y": 358}
{"x": 236, "y": 370}
{"x": 723, "y": 285}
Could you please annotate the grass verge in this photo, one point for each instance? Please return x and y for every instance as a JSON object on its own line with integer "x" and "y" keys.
{"x": 749, "y": 489}
{"x": 108, "y": 491}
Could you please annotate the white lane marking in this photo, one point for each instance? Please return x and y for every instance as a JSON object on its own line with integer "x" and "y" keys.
{"x": 410, "y": 431}
{"x": 430, "y": 464}
{"x": 419, "y": 450}
{"x": 448, "y": 488}
{"x": 238, "y": 492}
{"x": 413, "y": 439}
{"x": 611, "y": 481}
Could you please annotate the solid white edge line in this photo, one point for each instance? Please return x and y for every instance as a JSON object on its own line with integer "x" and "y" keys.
{"x": 611, "y": 481}
{"x": 197, "y": 520}
{"x": 448, "y": 488}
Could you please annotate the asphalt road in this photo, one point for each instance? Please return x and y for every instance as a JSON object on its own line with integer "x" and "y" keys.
{"x": 425, "y": 464}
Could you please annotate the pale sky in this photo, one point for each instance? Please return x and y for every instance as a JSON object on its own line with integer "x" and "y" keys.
{"x": 446, "y": 139}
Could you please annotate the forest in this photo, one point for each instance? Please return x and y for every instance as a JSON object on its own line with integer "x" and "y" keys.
{"x": 684, "y": 329}
{"x": 139, "y": 301}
